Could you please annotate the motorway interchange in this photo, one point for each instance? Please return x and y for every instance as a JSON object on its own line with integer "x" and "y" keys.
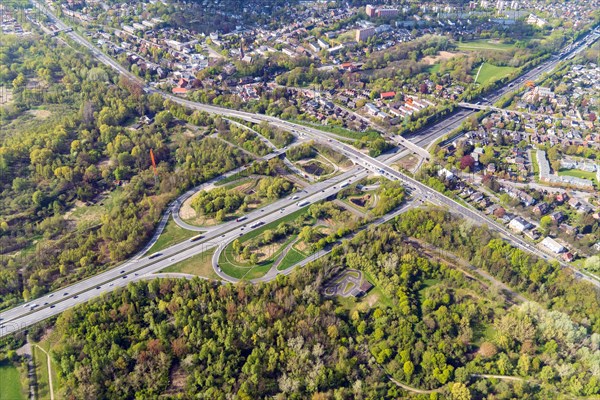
{"x": 141, "y": 267}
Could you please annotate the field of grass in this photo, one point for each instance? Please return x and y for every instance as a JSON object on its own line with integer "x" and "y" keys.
{"x": 484, "y": 44}
{"x": 338, "y": 130}
{"x": 91, "y": 215}
{"x": 292, "y": 257}
{"x": 41, "y": 372}
{"x": 345, "y": 37}
{"x": 36, "y": 119}
{"x": 578, "y": 173}
{"x": 433, "y": 69}
{"x": 232, "y": 178}
{"x": 10, "y": 383}
{"x": 492, "y": 73}
{"x": 534, "y": 164}
{"x": 172, "y": 234}
{"x": 46, "y": 343}
{"x": 245, "y": 270}
{"x": 200, "y": 264}
{"x": 234, "y": 183}
{"x": 483, "y": 333}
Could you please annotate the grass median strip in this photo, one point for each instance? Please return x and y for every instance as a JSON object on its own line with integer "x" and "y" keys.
{"x": 172, "y": 234}
{"x": 200, "y": 264}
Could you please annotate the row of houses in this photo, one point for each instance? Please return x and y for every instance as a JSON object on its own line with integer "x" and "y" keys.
{"x": 546, "y": 176}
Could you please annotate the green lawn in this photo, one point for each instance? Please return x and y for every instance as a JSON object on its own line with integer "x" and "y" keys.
{"x": 292, "y": 257}
{"x": 492, "y": 73}
{"x": 41, "y": 372}
{"x": 172, "y": 234}
{"x": 235, "y": 182}
{"x": 200, "y": 264}
{"x": 435, "y": 68}
{"x": 534, "y": 164}
{"x": 10, "y": 383}
{"x": 483, "y": 333}
{"x": 484, "y": 44}
{"x": 232, "y": 178}
{"x": 247, "y": 271}
{"x": 578, "y": 174}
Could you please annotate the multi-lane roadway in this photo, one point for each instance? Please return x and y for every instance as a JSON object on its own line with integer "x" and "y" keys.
{"x": 54, "y": 303}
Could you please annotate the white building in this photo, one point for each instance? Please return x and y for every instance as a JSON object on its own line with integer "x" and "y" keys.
{"x": 552, "y": 245}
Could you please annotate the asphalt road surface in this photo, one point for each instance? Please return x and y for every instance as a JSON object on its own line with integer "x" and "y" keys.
{"x": 54, "y": 303}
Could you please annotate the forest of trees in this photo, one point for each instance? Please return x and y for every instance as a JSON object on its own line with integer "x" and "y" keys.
{"x": 80, "y": 156}
{"x": 431, "y": 328}
{"x": 219, "y": 202}
{"x": 244, "y": 138}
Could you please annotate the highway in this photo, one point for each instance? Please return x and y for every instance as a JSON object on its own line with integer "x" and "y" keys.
{"x": 272, "y": 274}
{"x": 140, "y": 267}
{"x": 135, "y": 269}
{"x": 121, "y": 275}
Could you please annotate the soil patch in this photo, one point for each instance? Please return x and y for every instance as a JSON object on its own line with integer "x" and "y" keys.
{"x": 361, "y": 201}
{"x": 40, "y": 114}
{"x": 443, "y": 55}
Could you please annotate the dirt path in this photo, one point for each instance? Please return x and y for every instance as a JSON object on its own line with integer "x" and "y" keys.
{"x": 412, "y": 389}
{"x": 26, "y": 352}
{"x": 49, "y": 371}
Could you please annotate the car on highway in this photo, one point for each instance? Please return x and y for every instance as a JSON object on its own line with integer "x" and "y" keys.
{"x": 75, "y": 297}
{"x": 172, "y": 259}
{"x": 124, "y": 276}
{"x": 122, "y": 272}
{"x": 65, "y": 293}
{"x": 98, "y": 287}
{"x": 53, "y": 305}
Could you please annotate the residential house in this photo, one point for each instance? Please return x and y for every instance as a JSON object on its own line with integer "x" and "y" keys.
{"x": 518, "y": 225}
{"x": 557, "y": 217}
{"x": 541, "y": 208}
